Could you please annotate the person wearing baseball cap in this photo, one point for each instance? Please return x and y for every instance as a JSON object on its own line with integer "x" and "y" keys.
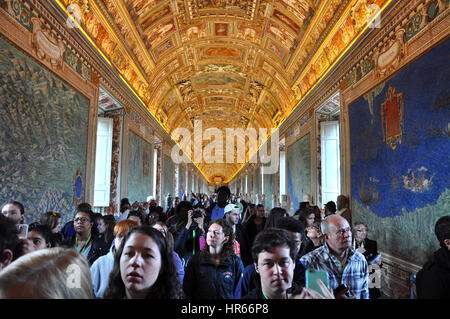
{"x": 231, "y": 214}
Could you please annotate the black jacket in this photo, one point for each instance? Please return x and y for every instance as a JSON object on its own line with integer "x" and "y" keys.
{"x": 98, "y": 248}
{"x": 186, "y": 245}
{"x": 250, "y": 232}
{"x": 433, "y": 280}
{"x": 371, "y": 249}
{"x": 203, "y": 280}
{"x": 309, "y": 247}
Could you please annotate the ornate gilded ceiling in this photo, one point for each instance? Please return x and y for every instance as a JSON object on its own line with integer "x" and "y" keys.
{"x": 229, "y": 63}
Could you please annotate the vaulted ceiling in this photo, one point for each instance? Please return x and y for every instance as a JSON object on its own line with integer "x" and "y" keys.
{"x": 229, "y": 63}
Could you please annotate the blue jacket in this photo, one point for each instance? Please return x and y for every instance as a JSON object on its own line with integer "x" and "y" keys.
{"x": 203, "y": 280}
{"x": 248, "y": 282}
{"x": 100, "y": 270}
{"x": 179, "y": 265}
{"x": 217, "y": 212}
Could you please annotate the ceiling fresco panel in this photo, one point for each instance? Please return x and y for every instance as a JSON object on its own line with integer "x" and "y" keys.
{"x": 286, "y": 20}
{"x": 156, "y": 34}
{"x": 221, "y": 52}
{"x": 145, "y": 22}
{"x": 282, "y": 35}
{"x": 223, "y": 80}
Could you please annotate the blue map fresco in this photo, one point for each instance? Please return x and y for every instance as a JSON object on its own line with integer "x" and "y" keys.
{"x": 418, "y": 170}
{"x": 401, "y": 191}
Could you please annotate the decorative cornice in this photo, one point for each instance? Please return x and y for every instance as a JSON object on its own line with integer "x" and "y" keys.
{"x": 119, "y": 34}
{"x": 337, "y": 15}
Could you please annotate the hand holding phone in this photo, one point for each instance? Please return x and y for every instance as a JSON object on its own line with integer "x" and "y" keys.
{"x": 312, "y": 276}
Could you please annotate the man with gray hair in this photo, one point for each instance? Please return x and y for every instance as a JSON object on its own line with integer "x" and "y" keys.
{"x": 345, "y": 265}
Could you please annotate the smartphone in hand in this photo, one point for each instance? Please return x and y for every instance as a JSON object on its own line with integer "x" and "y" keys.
{"x": 311, "y": 277}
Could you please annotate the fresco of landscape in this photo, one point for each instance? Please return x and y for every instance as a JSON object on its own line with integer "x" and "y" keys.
{"x": 139, "y": 182}
{"x": 269, "y": 190}
{"x": 181, "y": 182}
{"x": 257, "y": 181}
{"x": 299, "y": 171}
{"x": 400, "y": 168}
{"x": 42, "y": 148}
{"x": 168, "y": 177}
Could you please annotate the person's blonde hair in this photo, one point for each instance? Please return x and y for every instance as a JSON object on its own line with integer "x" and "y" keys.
{"x": 52, "y": 273}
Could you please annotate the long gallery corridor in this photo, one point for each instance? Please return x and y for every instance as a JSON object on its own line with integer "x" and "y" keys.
{"x": 147, "y": 109}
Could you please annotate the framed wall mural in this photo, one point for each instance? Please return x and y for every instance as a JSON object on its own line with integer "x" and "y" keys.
{"x": 399, "y": 148}
{"x": 181, "y": 182}
{"x": 42, "y": 144}
{"x": 299, "y": 170}
{"x": 169, "y": 170}
{"x": 139, "y": 181}
{"x": 269, "y": 190}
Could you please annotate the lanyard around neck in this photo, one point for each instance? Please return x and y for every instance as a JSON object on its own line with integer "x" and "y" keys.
{"x": 85, "y": 245}
{"x": 193, "y": 241}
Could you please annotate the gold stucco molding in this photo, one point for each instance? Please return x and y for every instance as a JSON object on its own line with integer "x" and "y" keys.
{"x": 46, "y": 46}
{"x": 388, "y": 57}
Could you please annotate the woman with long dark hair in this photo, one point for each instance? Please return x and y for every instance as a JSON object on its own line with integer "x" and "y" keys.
{"x": 215, "y": 272}
{"x": 143, "y": 268}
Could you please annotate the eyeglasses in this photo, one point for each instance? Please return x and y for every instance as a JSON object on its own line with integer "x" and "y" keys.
{"x": 81, "y": 219}
{"x": 342, "y": 231}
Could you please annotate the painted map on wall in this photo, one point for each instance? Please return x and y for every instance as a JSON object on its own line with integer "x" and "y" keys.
{"x": 189, "y": 182}
{"x": 181, "y": 182}
{"x": 168, "y": 178}
{"x": 257, "y": 181}
{"x": 269, "y": 190}
{"x": 43, "y": 138}
{"x": 400, "y": 168}
{"x": 299, "y": 170}
{"x": 139, "y": 181}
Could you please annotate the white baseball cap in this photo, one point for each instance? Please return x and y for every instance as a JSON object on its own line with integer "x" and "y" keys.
{"x": 230, "y": 207}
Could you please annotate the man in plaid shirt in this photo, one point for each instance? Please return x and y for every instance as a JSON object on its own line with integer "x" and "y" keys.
{"x": 344, "y": 264}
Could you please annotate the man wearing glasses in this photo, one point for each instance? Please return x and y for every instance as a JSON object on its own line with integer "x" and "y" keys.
{"x": 345, "y": 265}
{"x": 86, "y": 239}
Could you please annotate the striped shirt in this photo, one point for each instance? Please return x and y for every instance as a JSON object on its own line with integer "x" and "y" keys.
{"x": 355, "y": 275}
